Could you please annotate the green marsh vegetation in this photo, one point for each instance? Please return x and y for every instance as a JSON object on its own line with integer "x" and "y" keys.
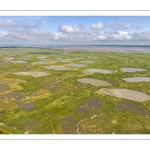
{"x": 58, "y": 104}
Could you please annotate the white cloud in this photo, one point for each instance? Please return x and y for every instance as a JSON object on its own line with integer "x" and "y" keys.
{"x": 8, "y": 23}
{"x": 141, "y": 35}
{"x": 68, "y": 29}
{"x": 110, "y": 24}
{"x": 123, "y": 36}
{"x": 29, "y": 31}
{"x": 44, "y": 35}
{"x": 123, "y": 26}
{"x": 111, "y": 32}
{"x": 61, "y": 37}
{"x": 30, "y": 24}
{"x": 97, "y": 26}
{"x": 117, "y": 35}
{"x": 67, "y": 33}
{"x": 101, "y": 37}
{"x": 119, "y": 25}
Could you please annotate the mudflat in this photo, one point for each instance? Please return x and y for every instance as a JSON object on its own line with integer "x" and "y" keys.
{"x": 34, "y": 74}
{"x": 125, "y": 93}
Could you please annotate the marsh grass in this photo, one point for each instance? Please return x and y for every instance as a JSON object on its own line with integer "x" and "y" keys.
{"x": 42, "y": 111}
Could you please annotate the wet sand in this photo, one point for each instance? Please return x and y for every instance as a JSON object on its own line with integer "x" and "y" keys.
{"x": 98, "y": 71}
{"x": 137, "y": 79}
{"x": 133, "y": 69}
{"x": 127, "y": 94}
{"x": 34, "y": 74}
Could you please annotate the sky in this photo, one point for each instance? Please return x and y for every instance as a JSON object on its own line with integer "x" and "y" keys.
{"x": 75, "y": 30}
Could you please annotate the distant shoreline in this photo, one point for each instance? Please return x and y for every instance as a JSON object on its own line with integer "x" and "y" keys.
{"x": 93, "y": 48}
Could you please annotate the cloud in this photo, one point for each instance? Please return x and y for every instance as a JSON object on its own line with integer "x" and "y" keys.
{"x": 101, "y": 37}
{"x": 119, "y": 25}
{"x": 68, "y": 33}
{"x": 125, "y": 36}
{"x": 111, "y": 32}
{"x": 141, "y": 35}
{"x": 41, "y": 35}
{"x": 29, "y": 24}
{"x": 110, "y": 24}
{"x": 117, "y": 35}
{"x": 8, "y": 23}
{"x": 122, "y": 36}
{"x": 97, "y": 26}
{"x": 44, "y": 35}
{"x": 68, "y": 29}
{"x": 26, "y": 36}
{"x": 123, "y": 26}
{"x": 60, "y": 37}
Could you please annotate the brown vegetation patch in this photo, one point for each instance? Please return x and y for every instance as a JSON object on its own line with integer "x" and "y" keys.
{"x": 17, "y": 95}
{"x": 131, "y": 106}
{"x": 12, "y": 83}
{"x": 4, "y": 87}
{"x": 94, "y": 103}
{"x": 26, "y": 106}
{"x": 69, "y": 126}
{"x": 82, "y": 109}
{"x": 4, "y": 63}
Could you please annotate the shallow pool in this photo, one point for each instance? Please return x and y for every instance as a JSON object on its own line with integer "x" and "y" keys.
{"x": 19, "y": 61}
{"x": 40, "y": 63}
{"x": 133, "y": 69}
{"x": 32, "y": 73}
{"x": 63, "y": 60}
{"x": 99, "y": 71}
{"x": 88, "y": 62}
{"x": 55, "y": 68}
{"x": 76, "y": 65}
{"x": 94, "y": 82}
{"x": 137, "y": 79}
{"x": 125, "y": 93}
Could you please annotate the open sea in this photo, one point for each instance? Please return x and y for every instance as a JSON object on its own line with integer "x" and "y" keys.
{"x": 116, "y": 48}
{"x": 106, "y": 48}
